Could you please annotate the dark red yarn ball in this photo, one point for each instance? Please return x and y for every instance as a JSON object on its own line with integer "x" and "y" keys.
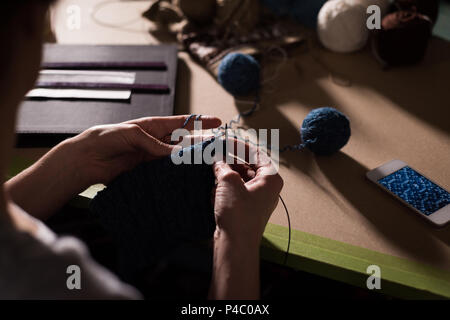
{"x": 429, "y": 8}
{"x": 402, "y": 39}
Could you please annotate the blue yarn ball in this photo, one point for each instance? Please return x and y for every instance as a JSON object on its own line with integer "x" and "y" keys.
{"x": 325, "y": 131}
{"x": 239, "y": 74}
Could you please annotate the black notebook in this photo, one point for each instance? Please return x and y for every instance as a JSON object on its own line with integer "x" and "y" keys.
{"x": 45, "y": 122}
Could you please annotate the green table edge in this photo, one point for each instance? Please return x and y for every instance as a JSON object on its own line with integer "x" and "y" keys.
{"x": 348, "y": 263}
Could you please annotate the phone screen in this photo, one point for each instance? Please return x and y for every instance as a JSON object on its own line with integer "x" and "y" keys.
{"x": 416, "y": 190}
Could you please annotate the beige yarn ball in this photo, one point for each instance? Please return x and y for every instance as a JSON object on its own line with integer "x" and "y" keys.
{"x": 341, "y": 25}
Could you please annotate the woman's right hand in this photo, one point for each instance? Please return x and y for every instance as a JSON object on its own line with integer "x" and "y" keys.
{"x": 244, "y": 200}
{"x": 245, "y": 197}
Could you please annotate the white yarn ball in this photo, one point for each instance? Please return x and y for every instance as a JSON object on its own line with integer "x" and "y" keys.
{"x": 341, "y": 25}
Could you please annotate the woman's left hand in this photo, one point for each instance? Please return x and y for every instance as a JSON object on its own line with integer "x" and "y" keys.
{"x": 97, "y": 155}
{"x": 109, "y": 150}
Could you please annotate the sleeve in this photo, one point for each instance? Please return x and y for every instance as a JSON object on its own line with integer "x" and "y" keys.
{"x": 62, "y": 269}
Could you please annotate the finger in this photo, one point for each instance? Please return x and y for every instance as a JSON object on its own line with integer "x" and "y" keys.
{"x": 225, "y": 174}
{"x": 207, "y": 122}
{"x": 264, "y": 166}
{"x": 188, "y": 139}
{"x": 265, "y": 176}
{"x": 246, "y": 172}
{"x": 152, "y": 147}
{"x": 257, "y": 157}
{"x": 267, "y": 185}
{"x": 163, "y": 126}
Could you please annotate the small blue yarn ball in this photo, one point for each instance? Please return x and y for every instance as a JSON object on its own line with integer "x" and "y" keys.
{"x": 325, "y": 131}
{"x": 239, "y": 74}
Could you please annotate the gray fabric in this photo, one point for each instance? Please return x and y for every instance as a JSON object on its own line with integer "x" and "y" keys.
{"x": 35, "y": 267}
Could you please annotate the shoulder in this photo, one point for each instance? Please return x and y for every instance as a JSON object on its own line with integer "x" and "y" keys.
{"x": 32, "y": 268}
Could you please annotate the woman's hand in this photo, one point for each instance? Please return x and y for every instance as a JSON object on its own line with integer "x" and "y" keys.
{"x": 95, "y": 156}
{"x": 245, "y": 198}
{"x": 109, "y": 150}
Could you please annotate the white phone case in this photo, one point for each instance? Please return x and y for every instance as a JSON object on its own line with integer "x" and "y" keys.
{"x": 440, "y": 218}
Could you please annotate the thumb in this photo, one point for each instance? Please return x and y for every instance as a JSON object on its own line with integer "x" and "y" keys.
{"x": 225, "y": 174}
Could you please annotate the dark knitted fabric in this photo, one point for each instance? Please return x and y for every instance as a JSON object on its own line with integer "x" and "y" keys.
{"x": 403, "y": 39}
{"x": 154, "y": 208}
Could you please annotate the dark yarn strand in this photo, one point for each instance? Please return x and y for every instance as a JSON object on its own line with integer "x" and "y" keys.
{"x": 220, "y": 131}
{"x": 289, "y": 229}
{"x": 192, "y": 116}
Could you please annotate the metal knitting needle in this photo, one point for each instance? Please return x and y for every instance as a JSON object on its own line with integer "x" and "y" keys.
{"x": 226, "y": 143}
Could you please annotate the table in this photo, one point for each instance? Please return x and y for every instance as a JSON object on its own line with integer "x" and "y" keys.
{"x": 341, "y": 222}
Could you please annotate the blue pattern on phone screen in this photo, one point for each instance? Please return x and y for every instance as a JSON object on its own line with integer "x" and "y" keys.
{"x": 416, "y": 190}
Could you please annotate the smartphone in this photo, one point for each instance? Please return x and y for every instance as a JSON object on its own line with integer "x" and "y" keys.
{"x": 419, "y": 193}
